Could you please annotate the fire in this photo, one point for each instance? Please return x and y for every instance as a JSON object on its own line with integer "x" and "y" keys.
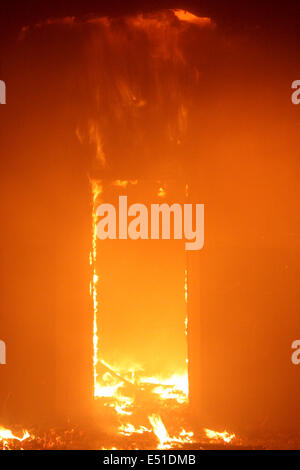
{"x": 221, "y": 436}
{"x": 6, "y": 435}
{"x": 133, "y": 393}
{"x": 186, "y": 302}
{"x": 120, "y": 388}
{"x": 175, "y": 387}
{"x": 124, "y": 183}
{"x": 129, "y": 429}
{"x": 128, "y": 389}
{"x": 184, "y": 15}
{"x": 165, "y": 441}
{"x": 161, "y": 192}
{"x": 160, "y": 431}
{"x": 96, "y": 191}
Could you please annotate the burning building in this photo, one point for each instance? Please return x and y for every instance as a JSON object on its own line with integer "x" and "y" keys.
{"x": 150, "y": 344}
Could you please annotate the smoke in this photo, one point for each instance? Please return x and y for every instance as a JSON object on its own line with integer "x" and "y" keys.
{"x": 159, "y": 95}
{"x": 140, "y": 78}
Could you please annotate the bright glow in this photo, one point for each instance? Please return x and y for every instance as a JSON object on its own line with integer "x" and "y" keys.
{"x": 96, "y": 191}
{"x": 221, "y": 436}
{"x": 128, "y": 429}
{"x": 176, "y": 386}
{"x": 165, "y": 441}
{"x": 6, "y": 434}
{"x": 160, "y": 431}
{"x": 161, "y": 192}
{"x": 124, "y": 183}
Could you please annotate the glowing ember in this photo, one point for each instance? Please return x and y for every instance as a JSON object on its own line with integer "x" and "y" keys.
{"x": 221, "y": 436}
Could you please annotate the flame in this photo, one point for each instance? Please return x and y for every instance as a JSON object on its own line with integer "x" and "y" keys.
{"x": 127, "y": 100}
{"x": 129, "y": 429}
{"x": 176, "y": 387}
{"x": 165, "y": 441}
{"x": 96, "y": 191}
{"x": 214, "y": 435}
{"x": 110, "y": 385}
{"x": 186, "y": 301}
{"x": 6, "y": 434}
{"x": 160, "y": 431}
{"x": 161, "y": 192}
{"x": 124, "y": 183}
{"x": 184, "y": 15}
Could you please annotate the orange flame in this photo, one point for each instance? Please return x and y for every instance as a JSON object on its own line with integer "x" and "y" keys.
{"x": 184, "y": 15}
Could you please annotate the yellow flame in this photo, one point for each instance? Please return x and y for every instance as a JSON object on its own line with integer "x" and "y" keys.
{"x": 176, "y": 387}
{"x": 124, "y": 183}
{"x": 6, "y": 434}
{"x": 160, "y": 431}
{"x": 161, "y": 192}
{"x": 96, "y": 191}
{"x": 110, "y": 385}
{"x": 165, "y": 441}
{"x": 129, "y": 429}
{"x": 214, "y": 435}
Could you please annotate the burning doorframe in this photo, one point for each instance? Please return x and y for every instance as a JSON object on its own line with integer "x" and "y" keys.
{"x": 109, "y": 387}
